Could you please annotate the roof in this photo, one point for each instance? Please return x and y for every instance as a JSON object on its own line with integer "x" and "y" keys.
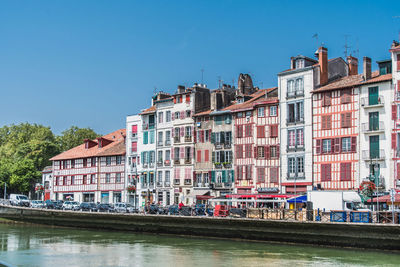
{"x": 352, "y": 81}
{"x": 151, "y": 109}
{"x": 253, "y": 101}
{"x": 47, "y": 169}
{"x": 115, "y": 147}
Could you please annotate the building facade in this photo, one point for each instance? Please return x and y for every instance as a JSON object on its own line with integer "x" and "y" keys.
{"x": 133, "y": 128}
{"x": 93, "y": 171}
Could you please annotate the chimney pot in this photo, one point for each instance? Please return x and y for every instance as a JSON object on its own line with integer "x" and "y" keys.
{"x": 367, "y": 68}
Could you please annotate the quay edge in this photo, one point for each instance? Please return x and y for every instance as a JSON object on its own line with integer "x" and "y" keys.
{"x": 367, "y": 236}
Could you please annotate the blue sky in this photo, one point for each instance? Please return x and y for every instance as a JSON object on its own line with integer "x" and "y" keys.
{"x": 91, "y": 63}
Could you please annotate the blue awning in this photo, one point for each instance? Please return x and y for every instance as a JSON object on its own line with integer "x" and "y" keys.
{"x": 299, "y": 199}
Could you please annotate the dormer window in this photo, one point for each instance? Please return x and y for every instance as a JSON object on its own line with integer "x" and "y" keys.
{"x": 299, "y": 63}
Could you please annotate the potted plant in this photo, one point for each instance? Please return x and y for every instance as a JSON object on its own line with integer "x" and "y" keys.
{"x": 131, "y": 189}
{"x": 39, "y": 189}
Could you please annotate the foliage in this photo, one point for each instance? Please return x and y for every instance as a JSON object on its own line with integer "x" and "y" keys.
{"x": 74, "y": 136}
{"x": 25, "y": 149}
{"x": 131, "y": 189}
{"x": 39, "y": 188}
{"x": 367, "y": 189}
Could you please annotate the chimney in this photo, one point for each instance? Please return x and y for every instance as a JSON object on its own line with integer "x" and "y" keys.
{"x": 181, "y": 89}
{"x": 367, "y": 68}
{"x": 323, "y": 65}
{"x": 353, "y": 65}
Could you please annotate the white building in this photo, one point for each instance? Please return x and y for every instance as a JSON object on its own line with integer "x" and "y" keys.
{"x": 133, "y": 128}
{"x": 47, "y": 178}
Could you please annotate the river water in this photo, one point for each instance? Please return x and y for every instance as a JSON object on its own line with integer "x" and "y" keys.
{"x": 23, "y": 245}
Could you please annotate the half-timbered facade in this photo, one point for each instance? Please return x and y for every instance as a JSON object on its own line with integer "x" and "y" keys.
{"x": 93, "y": 171}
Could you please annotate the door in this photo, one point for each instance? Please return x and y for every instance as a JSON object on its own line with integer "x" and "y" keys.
{"x": 373, "y": 121}
{"x": 374, "y": 146}
{"x": 373, "y": 96}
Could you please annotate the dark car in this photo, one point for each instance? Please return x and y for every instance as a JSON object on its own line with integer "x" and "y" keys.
{"x": 58, "y": 204}
{"x": 88, "y": 206}
{"x": 50, "y": 204}
{"x": 238, "y": 213}
{"x": 103, "y": 207}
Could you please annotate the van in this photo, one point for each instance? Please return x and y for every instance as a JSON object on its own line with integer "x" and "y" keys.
{"x": 19, "y": 200}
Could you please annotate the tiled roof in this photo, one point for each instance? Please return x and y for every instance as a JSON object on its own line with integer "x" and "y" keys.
{"x": 353, "y": 80}
{"x": 249, "y": 103}
{"x": 207, "y": 112}
{"x": 115, "y": 147}
{"x": 151, "y": 109}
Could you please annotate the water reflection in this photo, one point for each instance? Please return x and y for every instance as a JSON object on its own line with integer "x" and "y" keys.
{"x": 47, "y": 246}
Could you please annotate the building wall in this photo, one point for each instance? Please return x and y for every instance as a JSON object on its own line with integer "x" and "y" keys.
{"x": 395, "y": 55}
{"x": 132, "y": 156}
{"x": 338, "y": 158}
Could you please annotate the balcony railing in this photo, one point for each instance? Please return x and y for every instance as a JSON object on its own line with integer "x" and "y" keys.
{"x": 151, "y": 165}
{"x": 167, "y": 184}
{"x": 167, "y": 162}
{"x": 227, "y": 145}
{"x": 218, "y": 165}
{"x": 168, "y": 142}
{"x": 373, "y": 155}
{"x": 188, "y": 181}
{"x": 188, "y": 138}
{"x": 368, "y": 102}
{"x": 159, "y": 163}
{"x": 177, "y": 139}
{"x": 177, "y": 181}
{"x": 371, "y": 128}
{"x": 295, "y": 148}
{"x": 295, "y": 121}
{"x": 218, "y": 145}
{"x": 177, "y": 161}
{"x": 159, "y": 184}
{"x": 295, "y": 94}
{"x": 160, "y": 143}
{"x": 188, "y": 161}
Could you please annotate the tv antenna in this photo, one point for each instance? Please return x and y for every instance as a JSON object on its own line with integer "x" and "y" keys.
{"x": 346, "y": 47}
{"x": 397, "y": 17}
{"x": 202, "y": 75}
{"x": 219, "y": 82}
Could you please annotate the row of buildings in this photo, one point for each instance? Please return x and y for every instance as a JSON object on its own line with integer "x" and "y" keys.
{"x": 325, "y": 126}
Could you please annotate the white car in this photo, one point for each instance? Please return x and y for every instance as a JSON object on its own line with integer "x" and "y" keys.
{"x": 71, "y": 205}
{"x": 39, "y": 204}
{"x": 123, "y": 207}
{"x": 19, "y": 200}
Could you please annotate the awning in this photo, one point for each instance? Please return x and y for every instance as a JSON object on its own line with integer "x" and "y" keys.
{"x": 203, "y": 197}
{"x": 385, "y": 199}
{"x": 258, "y": 196}
{"x": 298, "y": 199}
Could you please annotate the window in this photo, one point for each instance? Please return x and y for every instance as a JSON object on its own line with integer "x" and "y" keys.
{"x": 346, "y": 144}
{"x": 218, "y": 120}
{"x": 345, "y": 96}
{"x": 240, "y": 115}
{"x": 345, "y": 171}
{"x": 249, "y": 172}
{"x": 207, "y": 135}
{"x": 134, "y": 147}
{"x": 290, "y": 88}
{"x": 188, "y": 113}
{"x": 188, "y": 131}
{"x": 145, "y": 138}
{"x": 108, "y": 178}
{"x": 177, "y": 115}
{"x": 325, "y": 172}
{"x": 206, "y": 178}
{"x": 187, "y": 153}
{"x": 198, "y": 152}
{"x": 167, "y": 176}
{"x": 299, "y": 86}
{"x": 84, "y": 163}
{"x": 72, "y": 163}
{"x": 167, "y": 155}
{"x": 228, "y": 137}
{"x": 260, "y": 152}
{"x": 273, "y": 131}
{"x": 295, "y": 112}
{"x": 326, "y": 146}
{"x": 160, "y": 117}
{"x": 299, "y": 63}
{"x": 326, "y": 122}
{"x": 248, "y": 151}
{"x": 248, "y": 130}
{"x": 168, "y": 116}
{"x": 160, "y": 158}
{"x": 177, "y": 132}
{"x": 92, "y": 178}
{"x": 327, "y": 99}
{"x": 273, "y": 151}
{"x": 176, "y": 153}
{"x": 72, "y": 180}
{"x": 292, "y": 165}
{"x": 152, "y": 137}
{"x": 345, "y": 119}
{"x": 260, "y": 175}
{"x": 152, "y": 156}
{"x": 260, "y": 131}
{"x": 93, "y": 162}
{"x": 108, "y": 161}
{"x": 300, "y": 165}
{"x": 261, "y": 112}
{"x": 248, "y": 114}
{"x": 239, "y": 151}
{"x": 84, "y": 179}
{"x": 118, "y": 177}
{"x": 119, "y": 160}
{"x": 273, "y": 174}
{"x": 273, "y": 111}
{"x": 239, "y": 131}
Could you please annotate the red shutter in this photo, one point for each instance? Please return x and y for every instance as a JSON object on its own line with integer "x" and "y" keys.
{"x": 342, "y": 171}
{"x": 191, "y": 152}
{"x": 182, "y": 153}
{"x": 174, "y": 100}
{"x": 398, "y": 69}
{"x": 332, "y": 145}
{"x": 172, "y": 153}
{"x": 323, "y": 174}
{"x": 198, "y": 155}
{"x": 337, "y": 145}
{"x": 393, "y": 140}
{"x": 182, "y": 131}
{"x": 394, "y": 112}
{"x": 323, "y": 122}
{"x": 206, "y": 155}
{"x": 398, "y": 170}
{"x": 195, "y": 136}
{"x": 173, "y": 132}
{"x": 318, "y": 146}
{"x": 278, "y": 151}
{"x": 353, "y": 143}
{"x": 328, "y": 172}
{"x": 255, "y": 152}
{"x": 267, "y": 152}
{"x": 187, "y": 98}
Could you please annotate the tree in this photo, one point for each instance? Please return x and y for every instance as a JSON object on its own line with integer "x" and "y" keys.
{"x": 74, "y": 136}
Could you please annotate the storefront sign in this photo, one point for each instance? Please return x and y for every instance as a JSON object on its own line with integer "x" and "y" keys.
{"x": 268, "y": 190}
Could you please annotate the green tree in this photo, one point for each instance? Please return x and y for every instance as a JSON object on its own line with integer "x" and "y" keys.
{"x": 74, "y": 136}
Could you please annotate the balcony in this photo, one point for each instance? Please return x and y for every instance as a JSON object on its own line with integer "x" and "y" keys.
{"x": 168, "y": 142}
{"x": 218, "y": 145}
{"x": 159, "y": 183}
{"x": 145, "y": 165}
{"x": 188, "y": 161}
{"x": 159, "y": 163}
{"x": 160, "y": 143}
{"x": 373, "y": 155}
{"x": 177, "y": 181}
{"x": 227, "y": 165}
{"x": 177, "y": 139}
{"x": 132, "y": 169}
{"x": 177, "y": 162}
{"x": 167, "y": 162}
{"x": 373, "y": 128}
{"x": 295, "y": 148}
{"x": 295, "y": 94}
{"x": 218, "y": 165}
{"x": 295, "y": 176}
{"x": 188, "y": 139}
{"x": 293, "y": 121}
{"x": 368, "y": 102}
{"x": 167, "y": 184}
{"x": 151, "y": 165}
{"x": 227, "y": 145}
{"x": 147, "y": 126}
{"x": 188, "y": 181}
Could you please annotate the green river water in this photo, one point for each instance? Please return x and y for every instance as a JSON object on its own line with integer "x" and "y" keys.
{"x": 23, "y": 245}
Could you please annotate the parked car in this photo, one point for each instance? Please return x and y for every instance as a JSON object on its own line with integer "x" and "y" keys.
{"x": 131, "y": 209}
{"x": 50, "y": 204}
{"x": 70, "y": 205}
{"x": 120, "y": 207}
{"x": 58, "y": 204}
{"x": 88, "y": 206}
{"x": 39, "y": 204}
{"x": 104, "y": 207}
{"x": 19, "y": 200}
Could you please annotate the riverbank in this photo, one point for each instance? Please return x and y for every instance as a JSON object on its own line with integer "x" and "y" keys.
{"x": 369, "y": 236}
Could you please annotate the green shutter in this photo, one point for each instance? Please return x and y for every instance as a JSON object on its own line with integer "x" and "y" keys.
{"x": 232, "y": 176}
{"x": 222, "y": 137}
{"x": 373, "y": 95}
{"x": 145, "y": 138}
{"x": 224, "y": 176}
{"x": 152, "y": 137}
{"x": 374, "y": 146}
{"x": 212, "y": 138}
{"x": 213, "y": 176}
{"x": 142, "y": 157}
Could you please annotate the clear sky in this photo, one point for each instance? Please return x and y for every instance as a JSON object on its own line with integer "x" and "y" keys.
{"x": 91, "y": 63}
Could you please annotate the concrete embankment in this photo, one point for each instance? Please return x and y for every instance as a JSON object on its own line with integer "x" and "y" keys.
{"x": 371, "y": 236}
